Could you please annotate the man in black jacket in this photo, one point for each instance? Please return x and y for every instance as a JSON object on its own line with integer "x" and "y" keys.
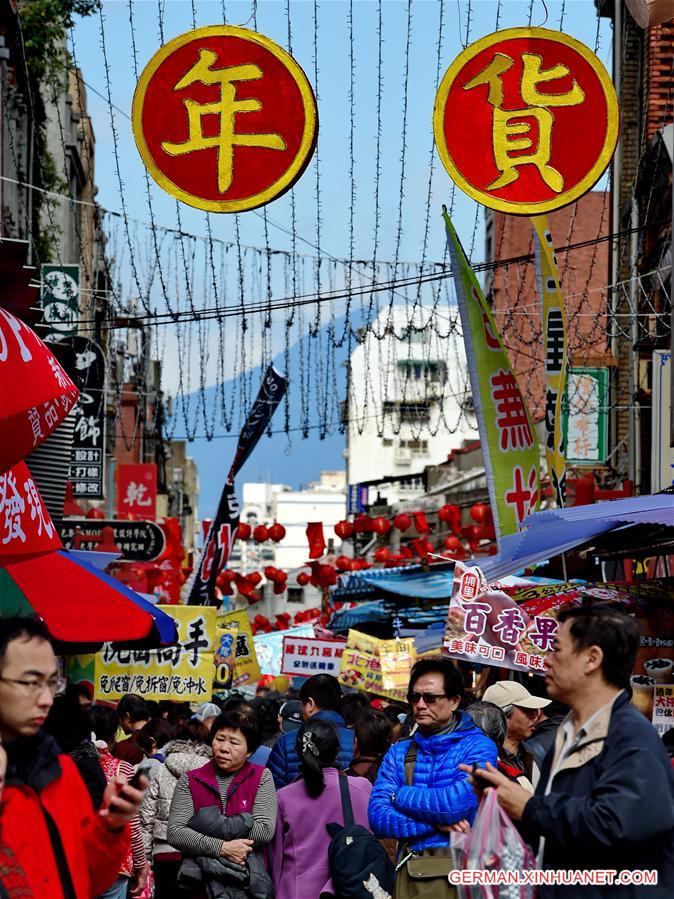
{"x": 605, "y": 798}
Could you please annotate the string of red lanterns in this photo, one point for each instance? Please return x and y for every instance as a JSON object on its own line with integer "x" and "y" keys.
{"x": 322, "y": 574}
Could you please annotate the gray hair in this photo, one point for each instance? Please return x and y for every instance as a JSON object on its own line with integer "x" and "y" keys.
{"x": 490, "y": 719}
{"x": 508, "y": 710}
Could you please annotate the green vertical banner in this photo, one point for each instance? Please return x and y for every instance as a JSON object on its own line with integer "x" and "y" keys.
{"x": 507, "y": 434}
{"x": 553, "y": 318}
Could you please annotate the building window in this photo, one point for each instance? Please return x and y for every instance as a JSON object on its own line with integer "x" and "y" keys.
{"x": 415, "y": 413}
{"x": 295, "y": 594}
{"x": 416, "y": 370}
{"x": 416, "y": 447}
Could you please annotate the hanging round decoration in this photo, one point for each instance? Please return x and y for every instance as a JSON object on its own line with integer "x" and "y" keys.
{"x": 224, "y": 119}
{"x": 526, "y": 120}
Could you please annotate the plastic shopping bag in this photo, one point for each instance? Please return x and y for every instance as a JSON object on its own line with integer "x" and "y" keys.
{"x": 494, "y": 845}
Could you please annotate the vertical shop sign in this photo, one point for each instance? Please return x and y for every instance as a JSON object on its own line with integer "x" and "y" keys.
{"x": 137, "y": 491}
{"x": 60, "y": 299}
{"x": 84, "y": 361}
{"x": 586, "y": 416}
{"x": 553, "y": 317}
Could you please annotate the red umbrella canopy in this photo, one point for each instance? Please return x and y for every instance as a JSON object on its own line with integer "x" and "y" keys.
{"x": 26, "y": 528}
{"x": 35, "y": 392}
{"x": 77, "y": 605}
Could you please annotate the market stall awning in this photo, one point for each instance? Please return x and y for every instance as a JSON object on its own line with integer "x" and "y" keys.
{"x": 413, "y": 581}
{"x": 408, "y": 582}
{"x": 554, "y": 531}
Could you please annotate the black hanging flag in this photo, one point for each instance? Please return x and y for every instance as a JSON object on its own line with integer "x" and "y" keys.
{"x": 221, "y": 533}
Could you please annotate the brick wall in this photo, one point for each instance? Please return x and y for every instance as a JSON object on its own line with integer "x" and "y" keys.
{"x": 583, "y": 279}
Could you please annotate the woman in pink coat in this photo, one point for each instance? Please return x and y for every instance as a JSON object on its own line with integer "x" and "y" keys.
{"x": 299, "y": 850}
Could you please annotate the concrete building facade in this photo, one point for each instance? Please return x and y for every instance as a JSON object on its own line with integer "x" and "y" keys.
{"x": 408, "y": 401}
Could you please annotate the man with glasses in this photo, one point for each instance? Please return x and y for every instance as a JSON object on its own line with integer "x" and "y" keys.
{"x": 67, "y": 850}
{"x": 605, "y": 799}
{"x": 522, "y": 711}
{"x": 420, "y": 795}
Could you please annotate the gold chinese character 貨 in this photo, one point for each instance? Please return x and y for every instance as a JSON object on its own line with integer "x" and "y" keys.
{"x": 513, "y": 131}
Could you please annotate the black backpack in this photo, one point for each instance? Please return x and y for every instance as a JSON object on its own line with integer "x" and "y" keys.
{"x": 359, "y": 865}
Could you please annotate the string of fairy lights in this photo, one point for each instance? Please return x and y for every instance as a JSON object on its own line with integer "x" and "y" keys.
{"x": 217, "y": 307}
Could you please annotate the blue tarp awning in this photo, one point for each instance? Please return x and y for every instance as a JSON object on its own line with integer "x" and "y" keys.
{"x": 554, "y": 531}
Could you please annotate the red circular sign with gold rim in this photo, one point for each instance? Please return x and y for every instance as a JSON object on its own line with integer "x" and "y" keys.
{"x": 224, "y": 119}
{"x": 526, "y": 120}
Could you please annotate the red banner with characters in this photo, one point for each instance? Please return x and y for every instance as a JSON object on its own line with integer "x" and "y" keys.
{"x": 137, "y": 491}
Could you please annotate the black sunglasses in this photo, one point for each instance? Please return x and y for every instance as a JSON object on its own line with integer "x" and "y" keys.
{"x": 428, "y": 698}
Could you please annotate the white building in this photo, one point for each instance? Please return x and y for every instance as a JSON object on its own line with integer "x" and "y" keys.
{"x": 409, "y": 402}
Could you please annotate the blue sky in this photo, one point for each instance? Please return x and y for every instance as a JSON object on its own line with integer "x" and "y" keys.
{"x": 277, "y": 458}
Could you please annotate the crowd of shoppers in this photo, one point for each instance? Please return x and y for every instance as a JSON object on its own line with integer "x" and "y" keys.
{"x": 246, "y": 799}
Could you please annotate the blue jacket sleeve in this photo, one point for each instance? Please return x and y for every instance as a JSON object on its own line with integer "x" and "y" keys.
{"x": 456, "y": 799}
{"x": 630, "y": 803}
{"x": 385, "y": 819}
{"x": 278, "y": 763}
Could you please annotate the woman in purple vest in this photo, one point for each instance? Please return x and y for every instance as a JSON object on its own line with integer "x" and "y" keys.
{"x": 223, "y": 814}
{"x": 299, "y": 851}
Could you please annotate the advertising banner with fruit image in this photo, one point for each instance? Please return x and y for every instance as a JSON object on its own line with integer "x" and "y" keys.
{"x": 514, "y": 627}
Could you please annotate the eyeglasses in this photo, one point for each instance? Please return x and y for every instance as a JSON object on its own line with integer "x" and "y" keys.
{"x": 35, "y": 687}
{"x": 428, "y": 698}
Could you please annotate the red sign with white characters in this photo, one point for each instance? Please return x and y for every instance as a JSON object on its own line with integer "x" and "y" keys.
{"x": 137, "y": 491}
{"x": 26, "y": 528}
{"x": 35, "y": 392}
{"x": 526, "y": 120}
{"x": 224, "y": 119}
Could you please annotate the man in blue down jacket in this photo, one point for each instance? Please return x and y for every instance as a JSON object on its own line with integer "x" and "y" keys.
{"x": 441, "y": 798}
{"x": 605, "y": 798}
{"x": 320, "y": 696}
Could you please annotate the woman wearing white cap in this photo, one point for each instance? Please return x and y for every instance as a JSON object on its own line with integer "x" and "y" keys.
{"x": 522, "y": 710}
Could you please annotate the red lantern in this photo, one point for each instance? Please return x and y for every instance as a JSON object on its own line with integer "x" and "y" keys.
{"x": 406, "y": 552}
{"x": 277, "y": 532}
{"x": 327, "y": 575}
{"x": 344, "y": 530}
{"x": 95, "y": 514}
{"x": 478, "y": 512}
{"x": 280, "y": 587}
{"x": 302, "y": 580}
{"x": 271, "y": 573}
{"x": 362, "y": 524}
{"x": 225, "y": 587}
{"x": 243, "y": 531}
{"x": 420, "y": 523}
{"x": 107, "y": 542}
{"x": 381, "y": 526}
{"x": 382, "y": 554}
{"x": 452, "y": 543}
{"x": 402, "y": 521}
{"x": 254, "y": 578}
{"x": 244, "y": 586}
{"x": 261, "y": 534}
{"x": 343, "y": 563}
